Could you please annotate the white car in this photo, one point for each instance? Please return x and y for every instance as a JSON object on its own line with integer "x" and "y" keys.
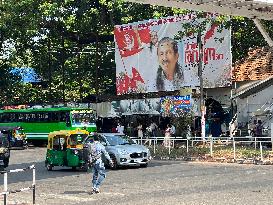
{"x": 124, "y": 151}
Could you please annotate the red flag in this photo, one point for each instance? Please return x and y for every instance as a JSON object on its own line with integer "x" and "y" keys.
{"x": 129, "y": 41}
{"x": 136, "y": 75}
{"x": 210, "y": 33}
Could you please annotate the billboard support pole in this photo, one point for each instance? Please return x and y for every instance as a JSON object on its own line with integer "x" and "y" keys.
{"x": 200, "y": 71}
{"x": 97, "y": 72}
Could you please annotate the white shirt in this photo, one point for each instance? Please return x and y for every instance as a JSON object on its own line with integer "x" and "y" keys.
{"x": 120, "y": 129}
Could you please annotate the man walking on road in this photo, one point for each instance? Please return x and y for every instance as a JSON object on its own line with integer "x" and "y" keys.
{"x": 96, "y": 149}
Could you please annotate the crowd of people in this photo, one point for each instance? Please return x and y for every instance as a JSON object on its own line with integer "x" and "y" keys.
{"x": 144, "y": 133}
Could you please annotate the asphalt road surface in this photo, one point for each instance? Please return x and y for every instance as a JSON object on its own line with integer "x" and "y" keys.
{"x": 163, "y": 182}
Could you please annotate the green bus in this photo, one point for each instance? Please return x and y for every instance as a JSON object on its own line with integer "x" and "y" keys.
{"x": 38, "y": 122}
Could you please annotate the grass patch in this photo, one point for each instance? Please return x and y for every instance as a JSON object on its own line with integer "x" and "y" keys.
{"x": 203, "y": 151}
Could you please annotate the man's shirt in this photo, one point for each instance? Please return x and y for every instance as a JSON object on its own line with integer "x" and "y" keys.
{"x": 96, "y": 150}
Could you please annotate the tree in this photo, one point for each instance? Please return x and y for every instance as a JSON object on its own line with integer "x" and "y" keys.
{"x": 67, "y": 41}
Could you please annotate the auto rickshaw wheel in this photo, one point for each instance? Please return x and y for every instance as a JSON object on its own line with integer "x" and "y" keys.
{"x": 85, "y": 167}
{"x": 49, "y": 167}
{"x": 74, "y": 168}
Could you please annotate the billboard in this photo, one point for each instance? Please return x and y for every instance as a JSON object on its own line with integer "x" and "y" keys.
{"x": 175, "y": 105}
{"x": 149, "y": 59}
{"x": 149, "y": 106}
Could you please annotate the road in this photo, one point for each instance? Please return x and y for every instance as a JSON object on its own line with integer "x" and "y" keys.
{"x": 163, "y": 182}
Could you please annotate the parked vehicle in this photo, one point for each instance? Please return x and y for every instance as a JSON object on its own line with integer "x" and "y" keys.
{"x": 4, "y": 151}
{"x": 65, "y": 148}
{"x": 15, "y": 135}
{"x": 123, "y": 150}
{"x": 39, "y": 122}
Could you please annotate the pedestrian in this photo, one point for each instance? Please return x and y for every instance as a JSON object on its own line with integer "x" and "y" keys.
{"x": 167, "y": 138}
{"x": 259, "y": 129}
{"x": 173, "y": 130}
{"x": 120, "y": 128}
{"x": 140, "y": 132}
{"x": 114, "y": 129}
{"x": 153, "y": 128}
{"x": 96, "y": 150}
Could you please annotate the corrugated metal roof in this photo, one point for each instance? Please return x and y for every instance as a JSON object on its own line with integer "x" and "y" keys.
{"x": 260, "y": 9}
{"x": 254, "y": 88}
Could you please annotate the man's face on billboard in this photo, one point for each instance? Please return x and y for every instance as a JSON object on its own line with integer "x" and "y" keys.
{"x": 154, "y": 37}
{"x": 167, "y": 58}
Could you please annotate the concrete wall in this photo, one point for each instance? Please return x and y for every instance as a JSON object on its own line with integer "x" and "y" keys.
{"x": 247, "y": 107}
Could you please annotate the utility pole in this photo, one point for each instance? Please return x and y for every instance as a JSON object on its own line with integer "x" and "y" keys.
{"x": 49, "y": 69}
{"x": 62, "y": 65}
{"x": 200, "y": 74}
{"x": 97, "y": 72}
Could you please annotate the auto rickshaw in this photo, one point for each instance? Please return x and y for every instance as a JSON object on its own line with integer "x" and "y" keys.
{"x": 4, "y": 151}
{"x": 16, "y": 136}
{"x": 65, "y": 148}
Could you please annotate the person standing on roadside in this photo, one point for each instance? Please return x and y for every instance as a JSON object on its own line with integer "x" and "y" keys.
{"x": 120, "y": 128}
{"x": 153, "y": 127}
{"x": 167, "y": 138}
{"x": 173, "y": 130}
{"x": 140, "y": 132}
{"x": 96, "y": 150}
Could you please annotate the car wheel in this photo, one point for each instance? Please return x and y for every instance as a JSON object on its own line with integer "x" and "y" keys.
{"x": 114, "y": 160}
{"x": 144, "y": 165}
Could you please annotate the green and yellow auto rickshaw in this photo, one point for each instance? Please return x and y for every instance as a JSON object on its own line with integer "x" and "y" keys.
{"x": 4, "y": 151}
{"x": 65, "y": 148}
{"x": 16, "y": 136}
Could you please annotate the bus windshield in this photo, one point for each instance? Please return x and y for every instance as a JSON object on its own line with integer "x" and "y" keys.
{"x": 82, "y": 118}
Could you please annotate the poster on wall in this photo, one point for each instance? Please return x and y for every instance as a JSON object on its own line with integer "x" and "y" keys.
{"x": 175, "y": 105}
{"x": 150, "y": 59}
{"x": 150, "y": 106}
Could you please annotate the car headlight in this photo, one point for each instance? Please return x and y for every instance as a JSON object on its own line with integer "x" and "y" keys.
{"x": 75, "y": 151}
{"x": 122, "y": 152}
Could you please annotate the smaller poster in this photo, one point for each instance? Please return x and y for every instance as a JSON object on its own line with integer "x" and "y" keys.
{"x": 175, "y": 105}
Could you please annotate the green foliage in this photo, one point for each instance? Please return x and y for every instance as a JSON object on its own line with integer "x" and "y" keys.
{"x": 201, "y": 152}
{"x": 181, "y": 123}
{"x": 58, "y": 40}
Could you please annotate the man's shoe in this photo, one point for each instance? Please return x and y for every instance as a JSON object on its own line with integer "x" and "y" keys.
{"x": 97, "y": 191}
{"x": 94, "y": 191}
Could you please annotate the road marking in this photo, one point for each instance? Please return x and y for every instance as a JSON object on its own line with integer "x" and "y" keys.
{"x": 70, "y": 197}
{"x": 81, "y": 197}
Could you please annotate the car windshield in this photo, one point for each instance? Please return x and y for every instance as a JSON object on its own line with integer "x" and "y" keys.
{"x": 119, "y": 140}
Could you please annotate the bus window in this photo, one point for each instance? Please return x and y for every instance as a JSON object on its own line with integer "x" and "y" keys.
{"x": 82, "y": 118}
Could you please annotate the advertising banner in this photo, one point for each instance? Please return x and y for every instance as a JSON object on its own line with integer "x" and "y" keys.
{"x": 150, "y": 59}
{"x": 175, "y": 105}
{"x": 148, "y": 106}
